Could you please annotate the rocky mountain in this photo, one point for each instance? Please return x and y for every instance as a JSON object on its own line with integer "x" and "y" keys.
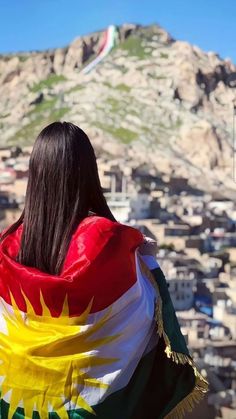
{"x": 152, "y": 99}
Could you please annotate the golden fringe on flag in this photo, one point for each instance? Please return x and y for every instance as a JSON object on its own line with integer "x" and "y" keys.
{"x": 201, "y": 385}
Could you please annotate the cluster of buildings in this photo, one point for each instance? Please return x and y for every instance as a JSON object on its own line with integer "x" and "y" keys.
{"x": 196, "y": 236}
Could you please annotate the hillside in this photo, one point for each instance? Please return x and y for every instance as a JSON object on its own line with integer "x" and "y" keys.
{"x": 151, "y": 99}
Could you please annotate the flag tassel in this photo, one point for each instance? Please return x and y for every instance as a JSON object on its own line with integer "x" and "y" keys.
{"x": 201, "y": 384}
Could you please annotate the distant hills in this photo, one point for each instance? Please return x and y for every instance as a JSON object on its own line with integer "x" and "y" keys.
{"x": 150, "y": 99}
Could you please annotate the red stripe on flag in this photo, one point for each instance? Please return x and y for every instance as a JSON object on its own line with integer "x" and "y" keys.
{"x": 99, "y": 263}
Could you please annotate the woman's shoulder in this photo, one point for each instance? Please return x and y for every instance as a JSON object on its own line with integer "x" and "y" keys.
{"x": 97, "y": 221}
{"x": 99, "y": 230}
{"x": 97, "y": 235}
{"x": 105, "y": 225}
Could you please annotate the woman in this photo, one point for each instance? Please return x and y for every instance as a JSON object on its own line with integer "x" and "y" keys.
{"x": 87, "y": 327}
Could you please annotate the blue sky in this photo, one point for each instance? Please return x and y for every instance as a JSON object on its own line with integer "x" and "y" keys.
{"x": 40, "y": 24}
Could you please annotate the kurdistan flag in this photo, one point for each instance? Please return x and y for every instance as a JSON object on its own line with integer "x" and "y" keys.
{"x": 100, "y": 340}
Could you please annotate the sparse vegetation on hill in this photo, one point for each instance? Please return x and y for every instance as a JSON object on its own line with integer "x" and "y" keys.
{"x": 152, "y": 99}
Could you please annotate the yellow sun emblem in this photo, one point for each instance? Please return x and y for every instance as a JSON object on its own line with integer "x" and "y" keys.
{"x": 44, "y": 361}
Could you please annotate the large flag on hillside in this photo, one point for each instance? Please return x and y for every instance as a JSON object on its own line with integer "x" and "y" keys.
{"x": 100, "y": 340}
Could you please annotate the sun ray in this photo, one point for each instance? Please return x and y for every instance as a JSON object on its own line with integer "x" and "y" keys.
{"x": 41, "y": 364}
{"x": 17, "y": 313}
{"x": 14, "y": 402}
{"x": 29, "y": 403}
{"x": 65, "y": 308}
{"x": 29, "y": 308}
{"x": 45, "y": 309}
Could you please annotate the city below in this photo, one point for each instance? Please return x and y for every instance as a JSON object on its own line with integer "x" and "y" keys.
{"x": 196, "y": 236}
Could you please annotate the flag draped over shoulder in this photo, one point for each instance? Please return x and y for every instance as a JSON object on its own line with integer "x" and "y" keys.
{"x": 99, "y": 340}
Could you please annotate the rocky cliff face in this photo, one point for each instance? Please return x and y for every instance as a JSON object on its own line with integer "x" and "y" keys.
{"x": 151, "y": 99}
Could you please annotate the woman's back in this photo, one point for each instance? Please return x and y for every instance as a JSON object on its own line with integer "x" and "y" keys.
{"x": 68, "y": 342}
{"x": 87, "y": 326}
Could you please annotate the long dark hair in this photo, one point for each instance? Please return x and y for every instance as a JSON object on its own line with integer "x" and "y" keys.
{"x": 63, "y": 186}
